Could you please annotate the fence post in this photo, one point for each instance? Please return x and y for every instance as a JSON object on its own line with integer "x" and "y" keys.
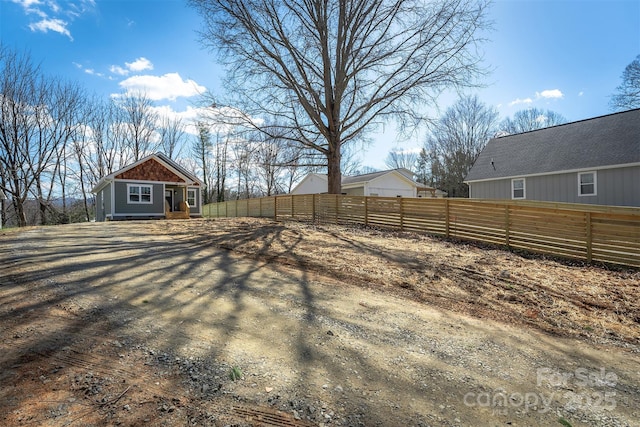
{"x": 366, "y": 211}
{"x": 337, "y": 215}
{"x": 446, "y": 219}
{"x": 313, "y": 208}
{"x": 401, "y": 213}
{"x": 589, "y": 236}
{"x": 506, "y": 224}
{"x": 275, "y": 208}
{"x": 260, "y": 207}
{"x": 293, "y": 211}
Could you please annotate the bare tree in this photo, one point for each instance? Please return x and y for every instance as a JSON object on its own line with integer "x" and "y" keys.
{"x": 531, "y": 119}
{"x": 172, "y": 133}
{"x": 397, "y": 159}
{"x": 455, "y": 141}
{"x": 19, "y": 80}
{"x": 59, "y": 127}
{"x": 627, "y": 96}
{"x": 39, "y": 116}
{"x": 331, "y": 69}
{"x": 221, "y": 161}
{"x": 201, "y": 151}
{"x": 273, "y": 155}
{"x": 242, "y": 163}
{"x": 139, "y": 122}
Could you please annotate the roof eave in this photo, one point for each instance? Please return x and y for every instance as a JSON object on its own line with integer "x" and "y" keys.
{"x": 526, "y": 175}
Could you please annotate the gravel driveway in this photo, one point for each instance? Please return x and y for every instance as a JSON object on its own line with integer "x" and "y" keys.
{"x": 150, "y": 323}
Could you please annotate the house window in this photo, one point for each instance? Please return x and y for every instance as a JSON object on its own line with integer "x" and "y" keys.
{"x": 587, "y": 184}
{"x": 191, "y": 197}
{"x": 139, "y": 193}
{"x": 518, "y": 188}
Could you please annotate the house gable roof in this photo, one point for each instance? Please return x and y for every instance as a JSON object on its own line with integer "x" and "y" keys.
{"x": 602, "y": 141}
{"x": 358, "y": 180}
{"x": 150, "y": 170}
{"x": 309, "y": 176}
{"x": 155, "y": 167}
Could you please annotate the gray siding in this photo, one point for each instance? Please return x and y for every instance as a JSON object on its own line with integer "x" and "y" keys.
{"x": 196, "y": 209}
{"x": 100, "y": 207}
{"x": 616, "y": 187}
{"x": 124, "y": 208}
{"x": 108, "y": 200}
{"x": 103, "y": 203}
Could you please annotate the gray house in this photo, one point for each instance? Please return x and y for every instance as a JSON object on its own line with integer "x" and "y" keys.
{"x": 593, "y": 161}
{"x": 153, "y": 187}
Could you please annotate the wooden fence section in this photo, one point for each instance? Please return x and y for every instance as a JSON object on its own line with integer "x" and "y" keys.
{"x": 586, "y": 232}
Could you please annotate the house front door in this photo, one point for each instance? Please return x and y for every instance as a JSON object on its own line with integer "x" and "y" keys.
{"x": 168, "y": 196}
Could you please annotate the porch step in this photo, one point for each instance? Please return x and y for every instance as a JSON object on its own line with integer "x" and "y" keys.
{"x": 176, "y": 215}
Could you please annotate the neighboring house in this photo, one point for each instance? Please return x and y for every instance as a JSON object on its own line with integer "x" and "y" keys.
{"x": 153, "y": 187}
{"x": 313, "y": 183}
{"x": 390, "y": 183}
{"x": 594, "y": 161}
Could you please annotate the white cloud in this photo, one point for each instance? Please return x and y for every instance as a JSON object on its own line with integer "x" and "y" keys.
{"x": 580, "y": 93}
{"x": 189, "y": 117}
{"x": 53, "y": 16}
{"x": 27, "y": 3}
{"x": 93, "y": 72}
{"x": 56, "y": 25}
{"x": 116, "y": 69}
{"x": 520, "y": 101}
{"x": 550, "y": 94}
{"x": 139, "y": 64}
{"x": 169, "y": 86}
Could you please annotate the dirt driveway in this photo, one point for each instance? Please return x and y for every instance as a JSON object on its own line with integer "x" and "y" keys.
{"x": 150, "y": 323}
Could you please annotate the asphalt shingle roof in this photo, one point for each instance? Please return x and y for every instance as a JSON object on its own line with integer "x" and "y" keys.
{"x": 363, "y": 178}
{"x": 602, "y": 141}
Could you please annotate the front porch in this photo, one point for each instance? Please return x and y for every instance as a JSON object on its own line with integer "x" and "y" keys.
{"x": 175, "y": 203}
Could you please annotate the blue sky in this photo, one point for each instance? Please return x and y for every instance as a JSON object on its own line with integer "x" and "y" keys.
{"x": 566, "y": 56}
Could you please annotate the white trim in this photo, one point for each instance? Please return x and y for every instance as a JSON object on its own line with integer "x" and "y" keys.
{"x": 164, "y": 192}
{"x": 142, "y": 181}
{"x": 138, "y": 214}
{"x": 195, "y": 197}
{"x": 595, "y": 184}
{"x": 140, "y": 201}
{"x": 113, "y": 198}
{"x": 625, "y": 165}
{"x": 524, "y": 188}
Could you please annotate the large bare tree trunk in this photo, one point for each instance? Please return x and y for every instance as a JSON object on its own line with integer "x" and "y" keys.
{"x": 330, "y": 70}
{"x": 334, "y": 174}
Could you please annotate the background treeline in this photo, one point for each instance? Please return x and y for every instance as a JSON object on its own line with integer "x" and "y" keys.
{"x": 57, "y": 140}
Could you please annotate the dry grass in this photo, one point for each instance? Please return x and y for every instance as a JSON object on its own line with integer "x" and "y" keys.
{"x": 561, "y": 298}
